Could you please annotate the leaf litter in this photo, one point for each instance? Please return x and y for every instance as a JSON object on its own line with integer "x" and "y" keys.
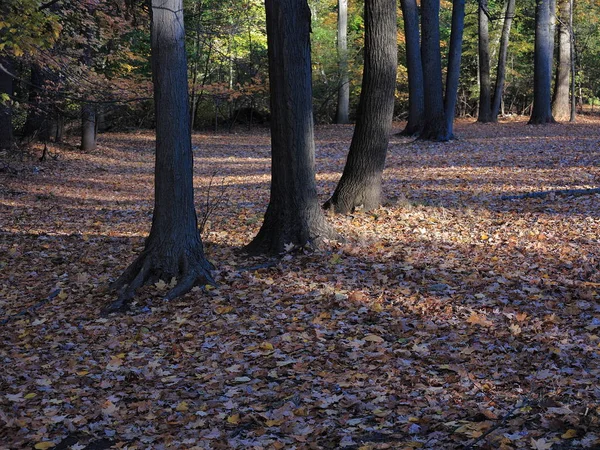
{"x": 449, "y": 318}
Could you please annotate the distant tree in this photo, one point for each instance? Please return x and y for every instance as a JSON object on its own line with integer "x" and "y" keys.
{"x": 294, "y": 216}
{"x": 6, "y": 94}
{"x": 485, "y": 99}
{"x": 343, "y": 100}
{"x": 561, "y": 102}
{"x": 414, "y": 66}
{"x": 509, "y": 14}
{"x": 174, "y": 248}
{"x": 360, "y": 185}
{"x": 37, "y": 124}
{"x": 543, "y": 57}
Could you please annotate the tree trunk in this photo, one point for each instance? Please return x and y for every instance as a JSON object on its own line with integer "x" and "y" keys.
{"x": 174, "y": 248}
{"x": 561, "y": 101}
{"x": 541, "y": 112}
{"x": 435, "y": 120}
{"x": 485, "y": 104}
{"x": 502, "y": 54}
{"x": 414, "y": 66}
{"x": 343, "y": 101}
{"x": 88, "y": 127}
{"x": 294, "y": 215}
{"x": 37, "y": 124}
{"x": 573, "y": 56}
{"x": 6, "y": 94}
{"x": 360, "y": 185}
{"x": 454, "y": 56}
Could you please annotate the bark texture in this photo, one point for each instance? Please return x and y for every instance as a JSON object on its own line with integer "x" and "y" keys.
{"x": 435, "y": 120}
{"x": 88, "y": 127}
{"x": 343, "y": 101}
{"x": 294, "y": 215}
{"x": 543, "y": 57}
{"x": 414, "y": 66}
{"x": 6, "y": 87}
{"x": 360, "y": 185}
{"x": 485, "y": 85}
{"x": 454, "y": 57}
{"x": 174, "y": 248}
{"x": 502, "y": 55}
{"x": 561, "y": 102}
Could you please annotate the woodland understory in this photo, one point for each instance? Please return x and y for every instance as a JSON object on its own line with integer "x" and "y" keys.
{"x": 450, "y": 318}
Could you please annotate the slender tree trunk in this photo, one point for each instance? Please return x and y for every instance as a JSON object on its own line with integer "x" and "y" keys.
{"x": 485, "y": 85}
{"x": 435, "y": 120}
{"x": 502, "y": 54}
{"x": 88, "y": 110}
{"x": 416, "y": 105}
{"x": 294, "y": 215}
{"x": 6, "y": 93}
{"x": 561, "y": 100}
{"x": 541, "y": 112}
{"x": 37, "y": 124}
{"x": 454, "y": 57}
{"x": 573, "y": 57}
{"x": 174, "y": 248}
{"x": 360, "y": 185}
{"x": 343, "y": 103}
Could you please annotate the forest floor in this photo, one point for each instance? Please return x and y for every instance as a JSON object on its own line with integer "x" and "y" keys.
{"x": 449, "y": 318}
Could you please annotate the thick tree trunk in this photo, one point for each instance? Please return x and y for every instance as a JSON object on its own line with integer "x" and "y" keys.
{"x": 37, "y": 124}
{"x": 541, "y": 112}
{"x": 454, "y": 57}
{"x": 435, "y": 120}
{"x": 485, "y": 85}
{"x": 294, "y": 215}
{"x": 343, "y": 101}
{"x": 6, "y": 94}
{"x": 173, "y": 248}
{"x": 502, "y": 55}
{"x": 561, "y": 107}
{"x": 414, "y": 66}
{"x": 360, "y": 185}
{"x": 88, "y": 127}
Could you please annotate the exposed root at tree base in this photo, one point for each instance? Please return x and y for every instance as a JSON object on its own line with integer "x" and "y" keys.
{"x": 192, "y": 270}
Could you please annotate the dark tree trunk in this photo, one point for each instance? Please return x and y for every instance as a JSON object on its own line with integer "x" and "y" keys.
{"x": 294, "y": 215}
{"x": 360, "y": 185}
{"x": 541, "y": 112}
{"x": 502, "y": 54}
{"x": 37, "y": 124}
{"x": 343, "y": 101}
{"x": 6, "y": 89}
{"x": 414, "y": 66}
{"x": 454, "y": 56}
{"x": 435, "y": 120}
{"x": 173, "y": 248}
{"x": 485, "y": 103}
{"x": 561, "y": 103}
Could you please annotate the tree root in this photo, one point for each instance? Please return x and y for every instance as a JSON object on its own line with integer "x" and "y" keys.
{"x": 191, "y": 270}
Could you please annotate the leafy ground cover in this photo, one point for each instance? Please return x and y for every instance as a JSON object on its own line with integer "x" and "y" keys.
{"x": 450, "y": 318}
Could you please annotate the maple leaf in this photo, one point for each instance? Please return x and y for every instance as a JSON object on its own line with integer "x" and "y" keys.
{"x": 541, "y": 444}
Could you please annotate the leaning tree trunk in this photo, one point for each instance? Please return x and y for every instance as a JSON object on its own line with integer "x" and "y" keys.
{"x": 541, "y": 112}
{"x": 561, "y": 103}
{"x": 485, "y": 108}
{"x": 435, "y": 120}
{"x": 343, "y": 100}
{"x": 294, "y": 215}
{"x": 6, "y": 94}
{"x": 454, "y": 56}
{"x": 174, "y": 248}
{"x": 414, "y": 66}
{"x": 360, "y": 185}
{"x": 502, "y": 54}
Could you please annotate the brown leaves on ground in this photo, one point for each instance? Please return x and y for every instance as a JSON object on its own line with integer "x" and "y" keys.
{"x": 449, "y": 318}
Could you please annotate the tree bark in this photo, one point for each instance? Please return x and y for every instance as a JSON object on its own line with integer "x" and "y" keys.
{"x": 454, "y": 57}
{"x": 88, "y": 127}
{"x": 6, "y": 89}
{"x": 434, "y": 128}
{"x": 360, "y": 185}
{"x": 502, "y": 55}
{"x": 294, "y": 215}
{"x": 414, "y": 66}
{"x": 485, "y": 85}
{"x": 541, "y": 112}
{"x": 343, "y": 101}
{"x": 561, "y": 108}
{"x": 174, "y": 248}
